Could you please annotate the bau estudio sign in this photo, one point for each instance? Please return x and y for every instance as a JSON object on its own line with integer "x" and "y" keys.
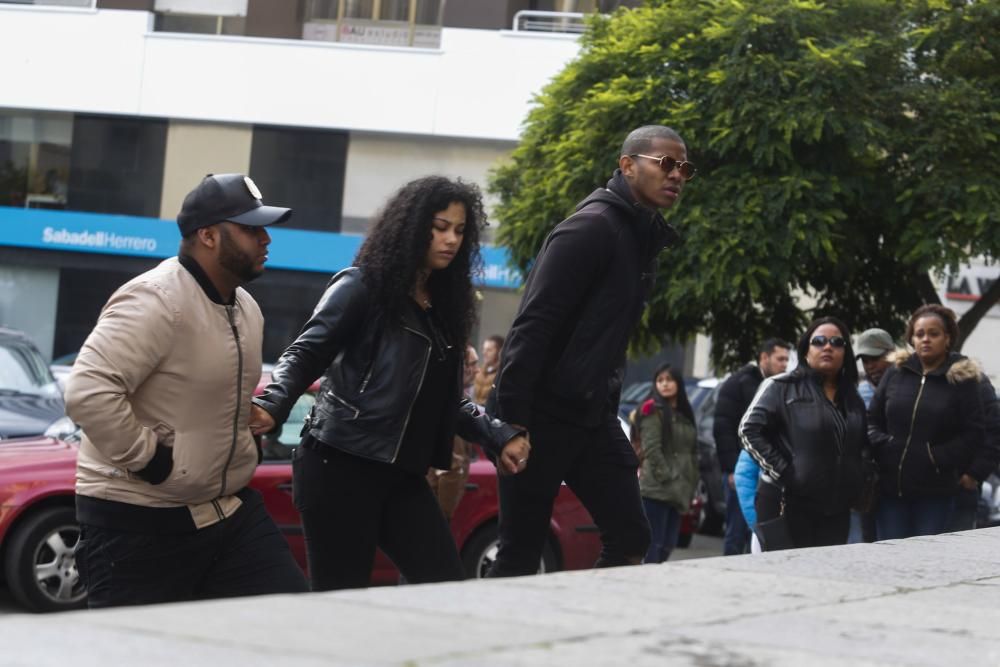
{"x": 964, "y": 288}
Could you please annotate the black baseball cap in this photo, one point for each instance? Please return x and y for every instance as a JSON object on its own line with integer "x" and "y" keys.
{"x": 232, "y": 197}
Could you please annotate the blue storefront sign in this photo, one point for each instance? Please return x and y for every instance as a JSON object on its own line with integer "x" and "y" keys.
{"x": 291, "y": 249}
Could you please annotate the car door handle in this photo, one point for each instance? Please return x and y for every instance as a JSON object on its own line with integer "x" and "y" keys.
{"x": 285, "y": 486}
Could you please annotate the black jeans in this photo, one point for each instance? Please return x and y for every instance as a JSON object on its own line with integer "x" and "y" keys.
{"x": 599, "y": 467}
{"x": 350, "y": 506}
{"x": 807, "y": 527}
{"x": 244, "y": 554}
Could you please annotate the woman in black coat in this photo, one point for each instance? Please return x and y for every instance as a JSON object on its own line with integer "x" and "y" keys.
{"x": 806, "y": 430}
{"x": 925, "y": 424}
{"x": 388, "y": 335}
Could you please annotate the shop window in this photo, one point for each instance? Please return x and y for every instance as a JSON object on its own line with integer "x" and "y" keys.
{"x": 34, "y": 159}
{"x": 415, "y": 23}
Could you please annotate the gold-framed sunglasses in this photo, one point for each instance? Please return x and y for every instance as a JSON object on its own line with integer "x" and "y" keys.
{"x": 668, "y": 164}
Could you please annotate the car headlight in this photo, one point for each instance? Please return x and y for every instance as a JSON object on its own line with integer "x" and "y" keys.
{"x": 63, "y": 428}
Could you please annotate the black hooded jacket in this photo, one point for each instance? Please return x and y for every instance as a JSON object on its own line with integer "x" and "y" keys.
{"x": 565, "y": 353}
{"x": 926, "y": 429}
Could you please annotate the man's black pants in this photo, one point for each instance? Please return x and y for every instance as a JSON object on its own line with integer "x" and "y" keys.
{"x": 244, "y": 554}
{"x": 599, "y": 466}
{"x": 350, "y": 506}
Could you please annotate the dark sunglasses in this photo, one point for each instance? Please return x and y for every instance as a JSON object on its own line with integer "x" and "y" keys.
{"x": 668, "y": 164}
{"x": 821, "y": 341}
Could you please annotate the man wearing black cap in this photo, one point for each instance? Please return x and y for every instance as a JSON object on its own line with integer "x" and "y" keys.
{"x": 162, "y": 390}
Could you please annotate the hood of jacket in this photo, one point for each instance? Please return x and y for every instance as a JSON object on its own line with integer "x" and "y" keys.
{"x": 649, "y": 225}
{"x": 956, "y": 368}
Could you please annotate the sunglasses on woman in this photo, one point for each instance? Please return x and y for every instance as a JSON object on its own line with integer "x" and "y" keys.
{"x": 821, "y": 341}
{"x": 668, "y": 164}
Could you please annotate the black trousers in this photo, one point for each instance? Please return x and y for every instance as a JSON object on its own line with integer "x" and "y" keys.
{"x": 807, "y": 527}
{"x": 599, "y": 467}
{"x": 245, "y": 554}
{"x": 350, "y": 506}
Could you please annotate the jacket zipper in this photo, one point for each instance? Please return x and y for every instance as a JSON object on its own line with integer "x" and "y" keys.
{"x": 423, "y": 374}
{"x": 368, "y": 376}
{"x": 239, "y": 394}
{"x": 909, "y": 436}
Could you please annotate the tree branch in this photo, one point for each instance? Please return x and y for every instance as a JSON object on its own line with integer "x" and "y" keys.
{"x": 925, "y": 287}
{"x": 967, "y": 324}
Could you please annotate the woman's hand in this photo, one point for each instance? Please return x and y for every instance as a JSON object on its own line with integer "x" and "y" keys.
{"x": 261, "y": 421}
{"x": 514, "y": 457}
{"x": 968, "y": 482}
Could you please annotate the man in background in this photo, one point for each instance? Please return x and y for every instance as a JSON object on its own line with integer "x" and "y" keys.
{"x": 734, "y": 397}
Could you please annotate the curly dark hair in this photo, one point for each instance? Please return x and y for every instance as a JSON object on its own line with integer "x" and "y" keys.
{"x": 396, "y": 249}
{"x": 943, "y": 313}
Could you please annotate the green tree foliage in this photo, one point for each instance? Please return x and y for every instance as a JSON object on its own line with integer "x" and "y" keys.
{"x": 846, "y": 151}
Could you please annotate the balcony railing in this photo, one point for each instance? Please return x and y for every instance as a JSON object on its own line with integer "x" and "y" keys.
{"x": 529, "y": 20}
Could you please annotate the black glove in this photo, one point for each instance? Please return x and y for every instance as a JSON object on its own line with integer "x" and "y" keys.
{"x": 159, "y": 467}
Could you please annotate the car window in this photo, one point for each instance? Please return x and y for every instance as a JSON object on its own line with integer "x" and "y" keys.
{"x": 296, "y": 418}
{"x": 22, "y": 369}
{"x": 279, "y": 446}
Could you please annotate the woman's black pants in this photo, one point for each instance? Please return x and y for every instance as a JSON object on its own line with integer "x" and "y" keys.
{"x": 350, "y": 506}
{"x": 807, "y": 527}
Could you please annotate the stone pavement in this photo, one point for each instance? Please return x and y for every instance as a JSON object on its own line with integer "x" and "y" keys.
{"x": 923, "y": 601}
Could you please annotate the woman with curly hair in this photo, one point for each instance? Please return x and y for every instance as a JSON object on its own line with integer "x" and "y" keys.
{"x": 926, "y": 427}
{"x": 388, "y": 335}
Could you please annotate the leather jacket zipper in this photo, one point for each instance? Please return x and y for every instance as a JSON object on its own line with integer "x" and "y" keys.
{"x": 239, "y": 393}
{"x": 423, "y": 374}
{"x": 909, "y": 436}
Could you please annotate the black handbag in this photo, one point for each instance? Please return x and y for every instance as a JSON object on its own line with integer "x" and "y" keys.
{"x": 867, "y": 499}
{"x": 773, "y": 534}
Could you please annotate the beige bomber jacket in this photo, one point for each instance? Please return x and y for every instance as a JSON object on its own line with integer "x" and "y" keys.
{"x": 166, "y": 362}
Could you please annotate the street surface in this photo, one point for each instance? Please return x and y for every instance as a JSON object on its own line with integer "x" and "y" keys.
{"x": 702, "y": 546}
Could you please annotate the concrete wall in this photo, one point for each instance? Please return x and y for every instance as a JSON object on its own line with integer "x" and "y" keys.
{"x": 378, "y": 165}
{"x": 479, "y": 84}
{"x": 197, "y": 149}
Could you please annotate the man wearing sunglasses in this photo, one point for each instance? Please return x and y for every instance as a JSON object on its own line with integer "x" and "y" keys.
{"x": 561, "y": 368}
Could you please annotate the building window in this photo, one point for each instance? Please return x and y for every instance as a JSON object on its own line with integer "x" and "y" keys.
{"x": 206, "y": 17}
{"x": 414, "y": 23}
{"x": 51, "y": 3}
{"x": 34, "y": 159}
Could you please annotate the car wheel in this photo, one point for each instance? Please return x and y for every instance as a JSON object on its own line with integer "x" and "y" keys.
{"x": 480, "y": 551}
{"x": 40, "y": 563}
{"x": 684, "y": 540}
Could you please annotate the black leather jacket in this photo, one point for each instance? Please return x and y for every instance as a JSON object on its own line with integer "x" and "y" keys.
{"x": 805, "y": 443}
{"x": 372, "y": 377}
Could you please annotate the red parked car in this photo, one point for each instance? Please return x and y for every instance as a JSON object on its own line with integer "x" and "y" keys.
{"x": 38, "y": 529}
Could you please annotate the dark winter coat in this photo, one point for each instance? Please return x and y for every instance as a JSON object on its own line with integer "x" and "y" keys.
{"x": 926, "y": 429}
{"x": 734, "y": 398}
{"x": 804, "y": 442}
{"x": 670, "y": 455}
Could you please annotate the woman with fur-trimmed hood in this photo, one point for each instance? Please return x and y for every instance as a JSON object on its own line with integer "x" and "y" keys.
{"x": 926, "y": 427}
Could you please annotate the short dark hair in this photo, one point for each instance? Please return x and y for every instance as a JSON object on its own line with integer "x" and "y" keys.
{"x": 943, "y": 313}
{"x": 767, "y": 347}
{"x": 849, "y": 371}
{"x": 497, "y": 340}
{"x": 640, "y": 139}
